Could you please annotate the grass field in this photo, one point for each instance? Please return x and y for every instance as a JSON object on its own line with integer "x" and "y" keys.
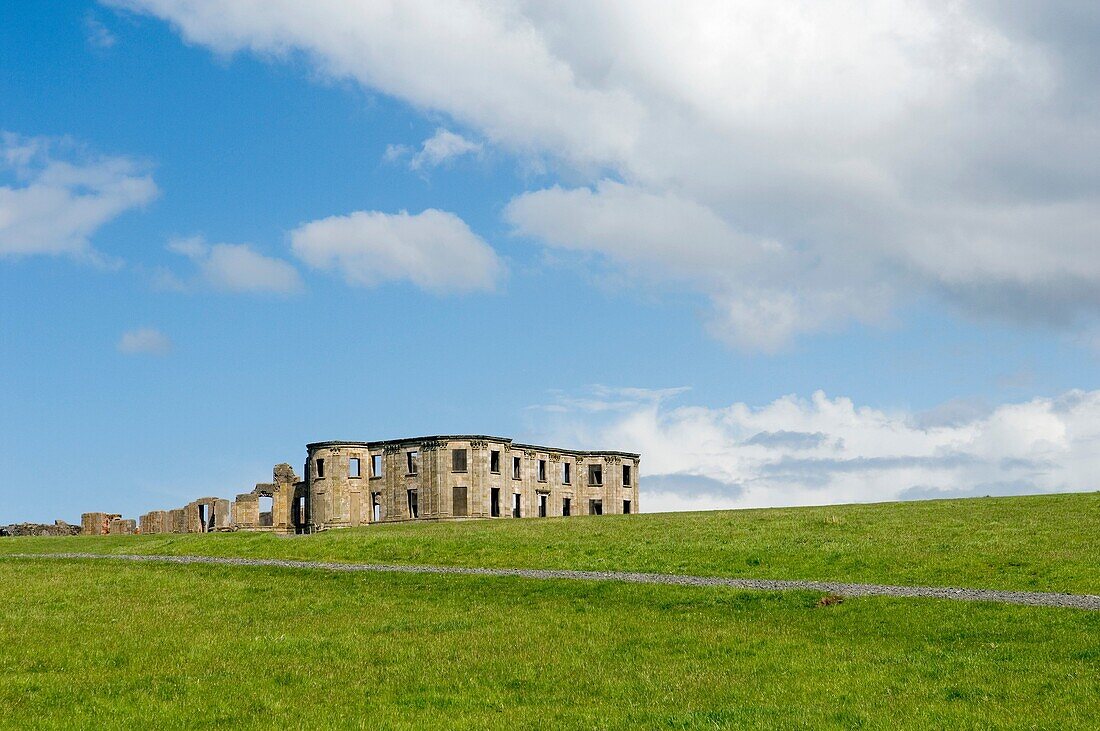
{"x": 91, "y": 643}
{"x": 150, "y": 646}
{"x": 1037, "y": 543}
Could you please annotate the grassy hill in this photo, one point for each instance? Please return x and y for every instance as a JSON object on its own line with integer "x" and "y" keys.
{"x": 1036, "y": 543}
{"x": 90, "y": 643}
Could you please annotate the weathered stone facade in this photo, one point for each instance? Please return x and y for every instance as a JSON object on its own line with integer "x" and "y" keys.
{"x": 465, "y": 476}
{"x": 96, "y": 524}
{"x": 455, "y": 477}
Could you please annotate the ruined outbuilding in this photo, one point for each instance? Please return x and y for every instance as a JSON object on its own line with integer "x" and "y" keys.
{"x": 453, "y": 477}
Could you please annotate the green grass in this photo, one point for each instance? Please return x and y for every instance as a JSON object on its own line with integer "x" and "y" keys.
{"x": 1038, "y": 543}
{"x": 92, "y": 644}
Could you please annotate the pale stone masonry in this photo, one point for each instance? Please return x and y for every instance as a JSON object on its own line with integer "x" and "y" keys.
{"x": 464, "y": 476}
{"x": 444, "y": 477}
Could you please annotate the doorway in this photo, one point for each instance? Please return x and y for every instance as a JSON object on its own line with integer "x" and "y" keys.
{"x": 206, "y": 518}
{"x": 266, "y": 507}
{"x": 299, "y": 517}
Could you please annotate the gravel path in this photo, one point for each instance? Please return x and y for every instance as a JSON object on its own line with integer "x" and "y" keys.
{"x": 1029, "y": 598}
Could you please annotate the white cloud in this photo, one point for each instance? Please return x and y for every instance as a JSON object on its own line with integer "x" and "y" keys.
{"x": 434, "y": 250}
{"x": 395, "y": 152}
{"x": 444, "y": 145}
{"x": 663, "y": 236}
{"x": 822, "y": 161}
{"x": 62, "y": 195}
{"x": 825, "y": 450}
{"x": 144, "y": 341}
{"x": 234, "y": 268}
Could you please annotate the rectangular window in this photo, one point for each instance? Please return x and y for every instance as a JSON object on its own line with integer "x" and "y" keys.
{"x": 376, "y": 465}
{"x": 410, "y": 462}
{"x": 494, "y": 502}
{"x": 494, "y": 462}
{"x": 626, "y": 475}
{"x": 542, "y": 470}
{"x": 413, "y": 511}
{"x": 542, "y": 505}
{"x": 595, "y": 507}
{"x": 565, "y": 506}
{"x": 353, "y": 467}
{"x": 458, "y": 502}
{"x": 626, "y": 507}
{"x": 320, "y": 468}
{"x": 458, "y": 460}
{"x": 595, "y": 474}
{"x": 376, "y": 501}
{"x": 515, "y": 505}
{"x": 515, "y": 468}
{"x": 566, "y": 476}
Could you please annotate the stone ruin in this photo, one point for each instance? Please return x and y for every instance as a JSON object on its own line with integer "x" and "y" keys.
{"x": 58, "y": 528}
{"x": 212, "y": 514}
{"x": 450, "y": 477}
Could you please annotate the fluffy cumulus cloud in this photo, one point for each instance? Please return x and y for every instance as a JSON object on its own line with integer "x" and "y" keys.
{"x": 235, "y": 268}
{"x": 439, "y": 149}
{"x": 824, "y": 450}
{"x": 434, "y": 250}
{"x": 144, "y": 341}
{"x": 60, "y": 194}
{"x": 814, "y": 163}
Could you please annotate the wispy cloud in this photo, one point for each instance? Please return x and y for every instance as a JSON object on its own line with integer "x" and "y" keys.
{"x": 62, "y": 195}
{"x": 439, "y": 149}
{"x": 233, "y": 268}
{"x": 97, "y": 35}
{"x": 144, "y": 341}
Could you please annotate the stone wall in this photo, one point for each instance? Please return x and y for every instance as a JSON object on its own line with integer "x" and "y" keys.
{"x": 156, "y": 521}
{"x": 122, "y": 527}
{"x": 96, "y": 524}
{"x": 177, "y": 521}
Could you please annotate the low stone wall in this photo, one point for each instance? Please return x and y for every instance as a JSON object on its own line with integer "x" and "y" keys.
{"x": 59, "y": 528}
{"x": 122, "y": 527}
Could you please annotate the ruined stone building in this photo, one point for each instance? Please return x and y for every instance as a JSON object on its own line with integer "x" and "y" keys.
{"x": 454, "y": 477}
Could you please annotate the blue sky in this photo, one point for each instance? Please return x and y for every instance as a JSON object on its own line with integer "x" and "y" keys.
{"x": 622, "y": 264}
